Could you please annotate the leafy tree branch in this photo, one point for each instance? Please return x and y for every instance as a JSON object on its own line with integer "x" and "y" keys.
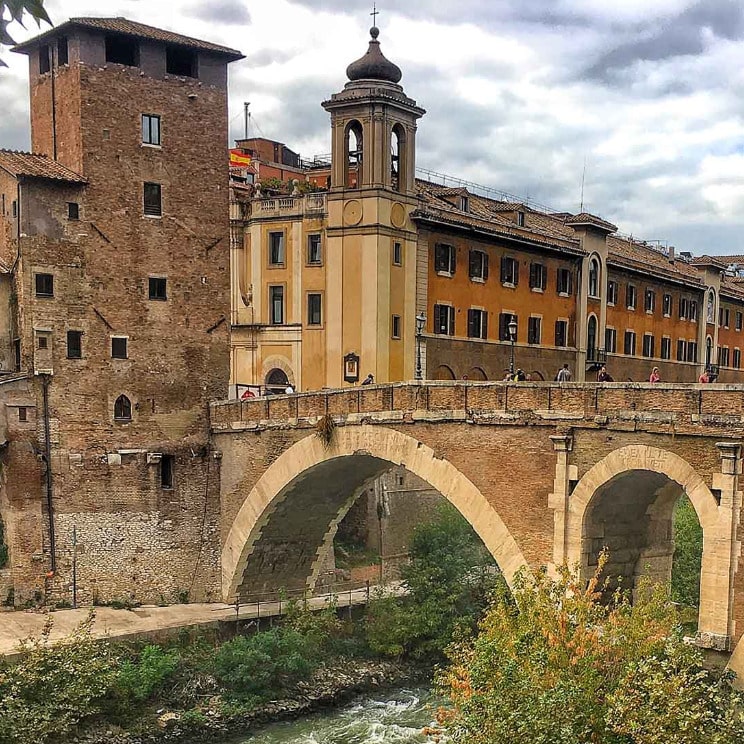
{"x": 14, "y": 11}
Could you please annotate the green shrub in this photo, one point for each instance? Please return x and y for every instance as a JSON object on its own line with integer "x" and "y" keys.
{"x": 688, "y": 554}
{"x": 138, "y": 680}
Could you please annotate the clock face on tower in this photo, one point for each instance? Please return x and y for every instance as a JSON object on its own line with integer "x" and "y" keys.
{"x": 352, "y": 212}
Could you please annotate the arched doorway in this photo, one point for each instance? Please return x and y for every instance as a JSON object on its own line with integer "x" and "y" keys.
{"x": 477, "y": 374}
{"x": 443, "y": 372}
{"x": 276, "y": 381}
{"x": 277, "y": 535}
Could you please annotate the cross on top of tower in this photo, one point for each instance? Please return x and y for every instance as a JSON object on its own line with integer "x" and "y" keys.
{"x": 374, "y": 14}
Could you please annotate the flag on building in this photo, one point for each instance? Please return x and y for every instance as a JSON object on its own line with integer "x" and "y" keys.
{"x": 238, "y": 159}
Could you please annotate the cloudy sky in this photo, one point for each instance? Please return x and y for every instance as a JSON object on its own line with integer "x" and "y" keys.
{"x": 647, "y": 95}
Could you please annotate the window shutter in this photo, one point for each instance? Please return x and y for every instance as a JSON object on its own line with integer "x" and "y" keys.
{"x": 451, "y": 316}
{"x": 504, "y": 259}
{"x": 452, "y": 259}
{"x": 471, "y": 264}
{"x": 484, "y": 322}
{"x": 502, "y": 326}
{"x": 533, "y": 275}
{"x": 437, "y": 319}
{"x": 516, "y": 272}
{"x": 485, "y": 266}
{"x": 544, "y": 277}
{"x": 569, "y": 282}
{"x": 471, "y": 323}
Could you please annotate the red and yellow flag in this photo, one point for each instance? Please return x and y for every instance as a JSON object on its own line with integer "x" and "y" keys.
{"x": 238, "y": 159}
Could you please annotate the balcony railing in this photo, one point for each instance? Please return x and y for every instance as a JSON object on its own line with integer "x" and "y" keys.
{"x": 596, "y": 356}
{"x": 290, "y": 206}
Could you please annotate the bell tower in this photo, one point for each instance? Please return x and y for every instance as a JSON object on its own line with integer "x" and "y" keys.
{"x": 371, "y": 275}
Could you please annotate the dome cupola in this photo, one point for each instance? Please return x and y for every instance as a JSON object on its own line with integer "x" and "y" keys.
{"x": 374, "y": 65}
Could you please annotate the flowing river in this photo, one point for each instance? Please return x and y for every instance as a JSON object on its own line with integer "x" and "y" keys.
{"x": 396, "y": 717}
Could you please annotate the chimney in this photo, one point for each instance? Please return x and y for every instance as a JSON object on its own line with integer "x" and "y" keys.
{"x": 670, "y": 254}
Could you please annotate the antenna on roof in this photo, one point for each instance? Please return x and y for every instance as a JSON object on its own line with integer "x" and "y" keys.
{"x": 583, "y": 176}
{"x": 247, "y": 114}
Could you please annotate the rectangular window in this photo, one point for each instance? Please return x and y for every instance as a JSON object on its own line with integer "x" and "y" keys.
{"x": 166, "y": 471}
{"x": 737, "y": 358}
{"x": 504, "y": 320}
{"x": 74, "y": 344}
{"x": 276, "y": 305}
{"x": 534, "y": 328}
{"x": 276, "y": 249}
{"x": 538, "y": 276}
{"x": 667, "y": 305}
{"x": 464, "y": 204}
{"x": 726, "y": 317}
{"x": 43, "y": 341}
{"x": 565, "y": 281}
{"x": 122, "y": 50}
{"x": 14, "y": 208}
{"x": 509, "y": 271}
{"x": 629, "y": 349}
{"x": 45, "y": 285}
{"x": 684, "y": 308}
{"x": 73, "y": 211}
{"x": 648, "y": 345}
{"x": 314, "y": 309}
{"x": 692, "y": 354}
{"x": 397, "y": 254}
{"x": 444, "y": 258}
{"x": 151, "y": 129}
{"x": 22, "y": 413}
{"x": 444, "y": 320}
{"x": 477, "y": 323}
{"x": 119, "y": 347}
{"x": 520, "y": 219}
{"x": 738, "y": 320}
{"x": 693, "y": 310}
{"x": 561, "y": 333}
{"x": 478, "y": 265}
{"x": 631, "y": 297}
{"x": 395, "y": 331}
{"x": 153, "y": 199}
{"x": 158, "y": 289}
{"x": 723, "y": 356}
{"x": 612, "y": 293}
{"x": 681, "y": 350}
{"x": 610, "y": 340}
{"x": 666, "y": 348}
{"x": 650, "y": 302}
{"x": 181, "y": 61}
{"x": 45, "y": 61}
{"x": 63, "y": 55}
{"x": 314, "y": 254}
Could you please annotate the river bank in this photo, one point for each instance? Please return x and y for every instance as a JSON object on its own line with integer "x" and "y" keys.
{"x": 330, "y": 686}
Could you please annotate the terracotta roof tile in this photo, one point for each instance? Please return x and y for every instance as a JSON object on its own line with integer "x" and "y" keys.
{"x": 132, "y": 28}
{"x": 33, "y": 165}
{"x": 584, "y": 218}
{"x": 631, "y": 254}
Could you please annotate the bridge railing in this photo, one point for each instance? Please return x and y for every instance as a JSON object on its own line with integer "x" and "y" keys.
{"x": 564, "y": 400}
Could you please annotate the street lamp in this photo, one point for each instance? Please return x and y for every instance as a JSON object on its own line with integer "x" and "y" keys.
{"x": 420, "y": 323}
{"x": 512, "y": 328}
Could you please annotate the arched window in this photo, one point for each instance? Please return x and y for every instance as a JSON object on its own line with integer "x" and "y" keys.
{"x": 123, "y": 409}
{"x": 354, "y": 146}
{"x": 711, "y": 316}
{"x": 594, "y": 277}
{"x": 398, "y": 157}
{"x": 708, "y": 351}
{"x": 591, "y": 337}
{"x": 277, "y": 381}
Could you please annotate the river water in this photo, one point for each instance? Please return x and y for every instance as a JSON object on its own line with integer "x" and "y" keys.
{"x": 395, "y": 717}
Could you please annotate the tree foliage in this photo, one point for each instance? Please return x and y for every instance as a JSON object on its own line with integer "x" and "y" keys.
{"x": 688, "y": 554}
{"x": 13, "y": 11}
{"x": 555, "y": 664}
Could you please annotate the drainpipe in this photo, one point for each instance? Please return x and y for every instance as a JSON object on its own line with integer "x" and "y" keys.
{"x": 45, "y": 381}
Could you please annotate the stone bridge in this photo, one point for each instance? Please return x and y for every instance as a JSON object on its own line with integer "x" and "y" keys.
{"x": 544, "y": 472}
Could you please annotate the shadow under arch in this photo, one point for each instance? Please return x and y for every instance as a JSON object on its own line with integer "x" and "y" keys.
{"x": 355, "y": 454}
{"x": 655, "y": 479}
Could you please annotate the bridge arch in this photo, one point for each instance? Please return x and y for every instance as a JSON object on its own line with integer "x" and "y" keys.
{"x": 647, "y": 482}
{"x": 365, "y": 451}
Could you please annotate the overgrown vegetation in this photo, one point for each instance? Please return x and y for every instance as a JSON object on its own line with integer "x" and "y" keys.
{"x": 688, "y": 555}
{"x": 3, "y": 547}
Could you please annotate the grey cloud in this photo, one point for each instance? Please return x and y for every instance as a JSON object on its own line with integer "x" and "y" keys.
{"x": 266, "y": 57}
{"x": 221, "y": 11}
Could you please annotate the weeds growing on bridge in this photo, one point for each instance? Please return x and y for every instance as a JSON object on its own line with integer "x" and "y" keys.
{"x": 325, "y": 429}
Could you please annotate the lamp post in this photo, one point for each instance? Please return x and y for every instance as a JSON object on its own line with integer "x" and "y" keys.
{"x": 512, "y": 328}
{"x": 420, "y": 323}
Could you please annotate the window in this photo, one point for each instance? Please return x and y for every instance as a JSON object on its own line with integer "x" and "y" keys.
{"x": 151, "y": 129}
{"x": 684, "y": 308}
{"x": 14, "y": 208}
{"x": 561, "y": 333}
{"x": 181, "y": 61}
{"x": 314, "y": 254}
{"x": 276, "y": 305}
{"x": 594, "y": 278}
{"x": 158, "y": 288}
{"x": 478, "y": 265}
{"x": 22, "y": 413}
{"x": 444, "y": 258}
{"x": 737, "y": 358}
{"x": 667, "y": 305}
{"x": 444, "y": 320}
{"x": 477, "y": 323}
{"x": 631, "y": 297}
{"x": 630, "y": 343}
{"x": 395, "y": 331}
{"x": 534, "y": 327}
{"x": 681, "y": 350}
{"x": 723, "y": 356}
{"x": 612, "y": 293}
{"x": 122, "y": 50}
{"x": 397, "y": 254}
{"x": 666, "y": 347}
{"x": 74, "y": 344}
{"x": 464, "y": 204}
{"x": 123, "y": 409}
{"x": 538, "y": 276}
{"x": 738, "y": 320}
{"x": 153, "y": 201}
{"x": 650, "y": 301}
{"x": 166, "y": 471}
{"x": 509, "y": 271}
{"x": 62, "y": 51}
{"x": 45, "y": 61}
{"x": 610, "y": 340}
{"x": 692, "y": 352}
{"x": 726, "y": 317}
{"x": 504, "y": 320}
{"x": 565, "y": 281}
{"x": 73, "y": 211}
{"x": 648, "y": 345}
{"x": 42, "y": 341}
{"x": 119, "y": 347}
{"x": 591, "y": 337}
{"x": 45, "y": 285}
{"x": 693, "y": 310}
{"x": 520, "y": 219}
{"x": 276, "y": 248}
{"x": 314, "y": 309}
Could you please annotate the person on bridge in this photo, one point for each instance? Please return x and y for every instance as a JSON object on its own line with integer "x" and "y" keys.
{"x": 289, "y": 390}
{"x": 604, "y": 375}
{"x": 655, "y": 376}
{"x": 368, "y": 380}
{"x": 564, "y": 374}
{"x": 704, "y": 377}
